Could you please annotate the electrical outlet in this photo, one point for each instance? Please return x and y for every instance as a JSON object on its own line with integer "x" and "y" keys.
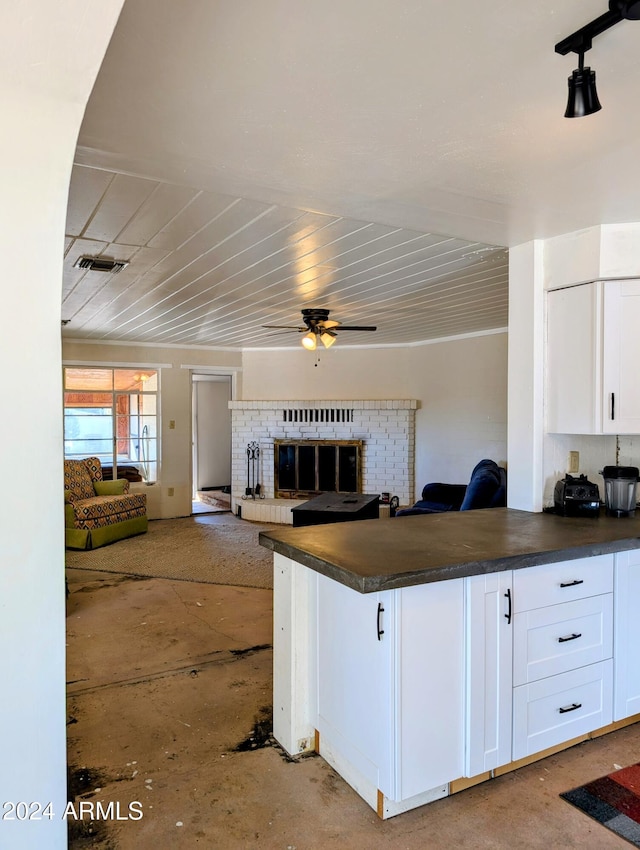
{"x": 170, "y": 491}
{"x": 574, "y": 462}
{"x": 172, "y": 424}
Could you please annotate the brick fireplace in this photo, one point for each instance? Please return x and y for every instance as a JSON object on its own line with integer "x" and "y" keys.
{"x": 385, "y": 429}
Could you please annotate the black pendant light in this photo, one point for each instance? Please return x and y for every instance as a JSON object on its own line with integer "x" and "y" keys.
{"x": 583, "y": 97}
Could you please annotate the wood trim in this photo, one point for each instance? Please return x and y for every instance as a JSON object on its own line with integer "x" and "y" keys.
{"x": 469, "y": 781}
{"x": 316, "y": 741}
{"x": 380, "y": 805}
{"x": 617, "y": 724}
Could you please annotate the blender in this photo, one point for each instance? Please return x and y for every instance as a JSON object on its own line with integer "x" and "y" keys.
{"x": 620, "y": 490}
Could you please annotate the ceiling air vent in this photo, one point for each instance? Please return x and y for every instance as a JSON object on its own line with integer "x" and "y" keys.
{"x": 100, "y": 264}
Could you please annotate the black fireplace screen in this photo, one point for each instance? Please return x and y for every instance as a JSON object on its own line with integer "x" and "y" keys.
{"x": 310, "y": 467}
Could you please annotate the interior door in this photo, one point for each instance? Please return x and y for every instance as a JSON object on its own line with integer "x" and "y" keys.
{"x": 211, "y": 432}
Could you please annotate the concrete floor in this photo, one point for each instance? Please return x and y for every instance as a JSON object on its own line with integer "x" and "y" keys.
{"x": 169, "y": 699}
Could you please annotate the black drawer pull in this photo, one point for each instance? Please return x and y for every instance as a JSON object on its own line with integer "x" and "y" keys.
{"x": 507, "y": 596}
{"x": 570, "y": 707}
{"x": 572, "y": 583}
{"x": 380, "y": 612}
{"x": 570, "y": 637}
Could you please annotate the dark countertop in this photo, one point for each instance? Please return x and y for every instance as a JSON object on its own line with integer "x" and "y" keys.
{"x": 380, "y": 554}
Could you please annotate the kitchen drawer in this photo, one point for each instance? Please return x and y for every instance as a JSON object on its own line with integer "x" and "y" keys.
{"x": 554, "y": 710}
{"x": 552, "y": 640}
{"x": 550, "y": 584}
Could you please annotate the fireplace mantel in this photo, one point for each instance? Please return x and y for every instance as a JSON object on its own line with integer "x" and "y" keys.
{"x": 386, "y": 428}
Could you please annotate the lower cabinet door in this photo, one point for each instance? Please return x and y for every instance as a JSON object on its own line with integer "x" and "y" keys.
{"x": 356, "y": 671}
{"x": 626, "y": 687}
{"x": 489, "y": 648}
{"x": 430, "y": 686}
{"x": 559, "y": 708}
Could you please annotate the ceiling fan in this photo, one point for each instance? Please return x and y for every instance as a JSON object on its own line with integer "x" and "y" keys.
{"x": 318, "y": 326}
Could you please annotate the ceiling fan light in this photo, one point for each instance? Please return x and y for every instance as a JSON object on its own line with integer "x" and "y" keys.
{"x": 309, "y": 341}
{"x": 328, "y": 339}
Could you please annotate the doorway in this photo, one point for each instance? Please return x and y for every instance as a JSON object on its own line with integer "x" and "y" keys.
{"x": 211, "y": 442}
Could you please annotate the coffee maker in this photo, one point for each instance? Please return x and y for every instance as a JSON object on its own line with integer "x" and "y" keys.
{"x": 620, "y": 490}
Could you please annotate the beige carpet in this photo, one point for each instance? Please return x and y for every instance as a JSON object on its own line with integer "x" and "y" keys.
{"x": 216, "y": 548}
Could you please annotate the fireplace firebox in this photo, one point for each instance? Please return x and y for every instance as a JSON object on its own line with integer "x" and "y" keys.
{"x": 310, "y": 467}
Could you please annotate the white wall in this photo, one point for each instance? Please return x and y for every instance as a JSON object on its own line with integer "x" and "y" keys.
{"x": 462, "y": 387}
{"x": 460, "y": 384}
{"x": 175, "y": 366}
{"x": 50, "y": 56}
{"x": 526, "y": 376}
{"x": 337, "y": 373}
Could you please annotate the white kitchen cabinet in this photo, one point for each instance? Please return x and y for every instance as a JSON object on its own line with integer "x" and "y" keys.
{"x": 559, "y": 708}
{"x": 553, "y": 640}
{"x": 390, "y": 690}
{"x": 489, "y": 648}
{"x": 562, "y": 581}
{"x": 356, "y": 671}
{"x": 626, "y": 687}
{"x": 621, "y": 354}
{"x": 539, "y": 643}
{"x": 563, "y": 647}
{"x": 414, "y": 691}
{"x": 593, "y": 347}
{"x": 429, "y": 686}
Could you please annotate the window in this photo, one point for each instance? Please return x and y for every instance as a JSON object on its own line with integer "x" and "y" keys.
{"x": 112, "y": 414}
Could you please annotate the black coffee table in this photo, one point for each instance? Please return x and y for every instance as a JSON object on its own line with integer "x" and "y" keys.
{"x": 336, "y": 507}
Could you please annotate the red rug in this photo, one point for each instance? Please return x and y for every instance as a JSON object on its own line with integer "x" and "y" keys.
{"x": 613, "y": 801}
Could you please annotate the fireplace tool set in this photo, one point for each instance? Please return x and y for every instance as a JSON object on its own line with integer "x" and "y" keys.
{"x": 253, "y": 490}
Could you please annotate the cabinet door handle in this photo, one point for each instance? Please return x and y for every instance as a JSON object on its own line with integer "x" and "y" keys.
{"x": 507, "y": 596}
{"x": 570, "y": 707}
{"x": 613, "y": 406}
{"x": 570, "y": 637}
{"x": 572, "y": 583}
{"x": 380, "y": 612}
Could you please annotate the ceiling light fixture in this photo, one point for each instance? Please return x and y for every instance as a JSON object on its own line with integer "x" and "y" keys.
{"x": 309, "y": 341}
{"x": 327, "y": 338}
{"x": 583, "y": 97}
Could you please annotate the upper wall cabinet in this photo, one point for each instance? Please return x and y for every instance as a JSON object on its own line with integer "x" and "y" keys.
{"x": 593, "y": 351}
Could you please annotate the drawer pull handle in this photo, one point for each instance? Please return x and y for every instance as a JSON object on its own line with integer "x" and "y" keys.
{"x": 572, "y": 583}
{"x": 570, "y": 707}
{"x": 570, "y": 637}
{"x": 379, "y": 623}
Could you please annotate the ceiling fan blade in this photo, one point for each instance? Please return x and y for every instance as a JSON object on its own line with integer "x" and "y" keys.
{"x": 285, "y": 327}
{"x": 358, "y": 328}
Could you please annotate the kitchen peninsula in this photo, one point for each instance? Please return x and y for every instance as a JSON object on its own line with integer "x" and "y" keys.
{"x": 421, "y": 655}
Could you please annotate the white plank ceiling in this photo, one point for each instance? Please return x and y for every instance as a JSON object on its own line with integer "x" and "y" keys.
{"x": 253, "y": 158}
{"x": 211, "y": 269}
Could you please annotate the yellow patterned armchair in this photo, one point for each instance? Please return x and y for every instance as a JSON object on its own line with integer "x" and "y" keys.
{"x": 98, "y": 512}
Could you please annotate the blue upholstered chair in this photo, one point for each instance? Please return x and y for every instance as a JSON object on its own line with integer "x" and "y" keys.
{"x": 487, "y": 488}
